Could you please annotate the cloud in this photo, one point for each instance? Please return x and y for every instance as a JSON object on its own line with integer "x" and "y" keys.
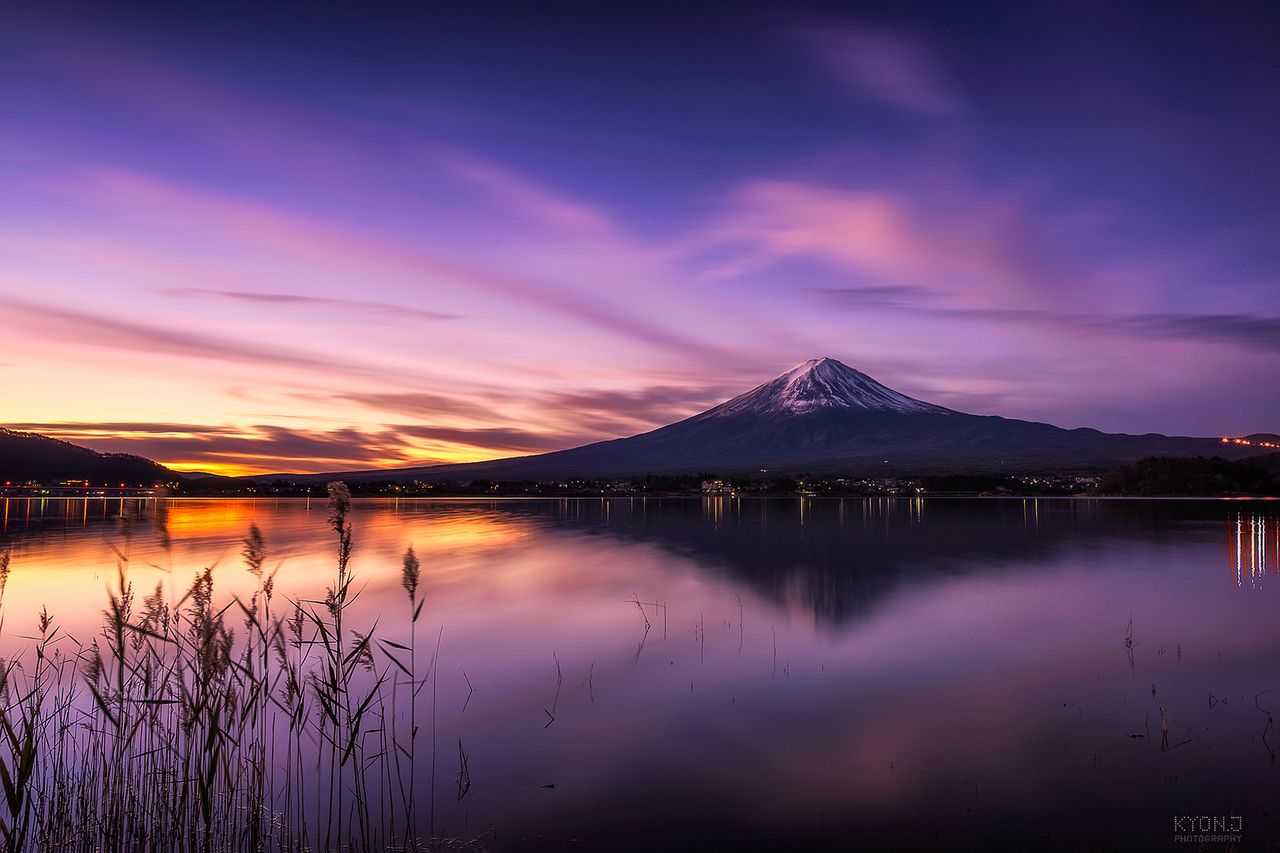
{"x": 99, "y": 330}
{"x": 499, "y": 231}
{"x": 420, "y": 403}
{"x": 497, "y": 438}
{"x": 1256, "y": 331}
{"x": 564, "y": 417}
{"x": 1261, "y": 332}
{"x": 884, "y": 67}
{"x": 272, "y": 448}
{"x": 262, "y": 448}
{"x": 387, "y": 309}
{"x": 562, "y": 278}
{"x": 947, "y": 234}
{"x": 875, "y": 296}
{"x": 351, "y": 441}
{"x": 71, "y": 430}
{"x": 528, "y": 199}
{"x": 653, "y": 405}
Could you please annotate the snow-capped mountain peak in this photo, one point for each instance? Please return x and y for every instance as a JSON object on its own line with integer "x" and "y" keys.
{"x": 823, "y": 383}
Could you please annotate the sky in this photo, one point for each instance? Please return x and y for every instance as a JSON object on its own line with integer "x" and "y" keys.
{"x": 237, "y": 239}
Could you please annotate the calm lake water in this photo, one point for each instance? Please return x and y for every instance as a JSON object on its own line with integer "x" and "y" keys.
{"x": 892, "y": 673}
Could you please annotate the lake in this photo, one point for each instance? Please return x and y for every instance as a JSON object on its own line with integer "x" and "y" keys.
{"x": 808, "y": 673}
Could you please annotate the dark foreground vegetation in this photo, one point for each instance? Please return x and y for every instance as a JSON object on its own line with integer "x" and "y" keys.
{"x": 196, "y": 725}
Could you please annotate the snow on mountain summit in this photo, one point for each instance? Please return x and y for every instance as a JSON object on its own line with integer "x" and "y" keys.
{"x": 822, "y": 383}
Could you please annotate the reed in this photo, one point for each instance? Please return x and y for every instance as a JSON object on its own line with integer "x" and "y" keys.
{"x": 190, "y": 723}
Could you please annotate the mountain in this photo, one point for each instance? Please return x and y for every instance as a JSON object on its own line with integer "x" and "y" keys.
{"x": 818, "y": 384}
{"x": 28, "y": 456}
{"x": 824, "y": 417}
{"x": 820, "y": 417}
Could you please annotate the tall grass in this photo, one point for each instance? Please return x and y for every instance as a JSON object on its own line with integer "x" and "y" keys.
{"x": 266, "y": 724}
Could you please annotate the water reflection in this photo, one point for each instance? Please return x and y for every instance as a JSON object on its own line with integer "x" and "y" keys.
{"x": 1253, "y": 544}
{"x": 837, "y": 558}
{"x": 21, "y": 512}
{"x": 834, "y": 558}
{"x": 802, "y": 672}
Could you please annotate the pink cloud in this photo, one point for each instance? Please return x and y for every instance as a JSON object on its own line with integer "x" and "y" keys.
{"x": 885, "y": 67}
{"x": 962, "y": 242}
{"x": 347, "y": 254}
{"x": 528, "y": 199}
{"x": 397, "y": 212}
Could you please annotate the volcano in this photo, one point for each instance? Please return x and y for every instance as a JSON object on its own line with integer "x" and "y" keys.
{"x": 824, "y": 417}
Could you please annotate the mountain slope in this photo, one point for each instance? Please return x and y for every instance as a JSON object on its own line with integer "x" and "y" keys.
{"x": 28, "y": 456}
{"x": 825, "y": 417}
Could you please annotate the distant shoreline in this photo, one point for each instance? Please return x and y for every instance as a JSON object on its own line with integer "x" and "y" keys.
{"x": 632, "y": 498}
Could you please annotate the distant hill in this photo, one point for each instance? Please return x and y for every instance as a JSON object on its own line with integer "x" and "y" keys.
{"x": 1173, "y": 477}
{"x": 28, "y": 456}
{"x": 823, "y": 417}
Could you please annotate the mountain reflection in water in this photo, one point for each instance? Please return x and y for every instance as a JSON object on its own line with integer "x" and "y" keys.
{"x": 816, "y": 673}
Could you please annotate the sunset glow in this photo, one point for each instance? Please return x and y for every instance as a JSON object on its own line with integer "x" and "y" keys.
{"x": 496, "y": 427}
{"x": 444, "y": 235}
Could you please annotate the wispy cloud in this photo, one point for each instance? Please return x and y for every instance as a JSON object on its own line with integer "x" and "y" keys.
{"x": 273, "y": 448}
{"x": 73, "y": 430}
{"x": 876, "y": 295}
{"x": 258, "y": 448}
{"x": 507, "y": 439}
{"x": 950, "y": 234}
{"x": 1257, "y": 331}
{"x": 422, "y": 403}
{"x": 650, "y": 406}
{"x": 885, "y": 67}
{"x": 101, "y": 331}
{"x": 318, "y": 255}
{"x": 262, "y": 448}
{"x": 562, "y": 278}
{"x": 384, "y": 309}
{"x": 1261, "y": 332}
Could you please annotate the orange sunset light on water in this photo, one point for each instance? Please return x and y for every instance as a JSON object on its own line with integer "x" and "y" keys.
{"x": 71, "y": 575}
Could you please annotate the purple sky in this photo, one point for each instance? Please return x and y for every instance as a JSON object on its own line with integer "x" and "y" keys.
{"x": 308, "y": 240}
